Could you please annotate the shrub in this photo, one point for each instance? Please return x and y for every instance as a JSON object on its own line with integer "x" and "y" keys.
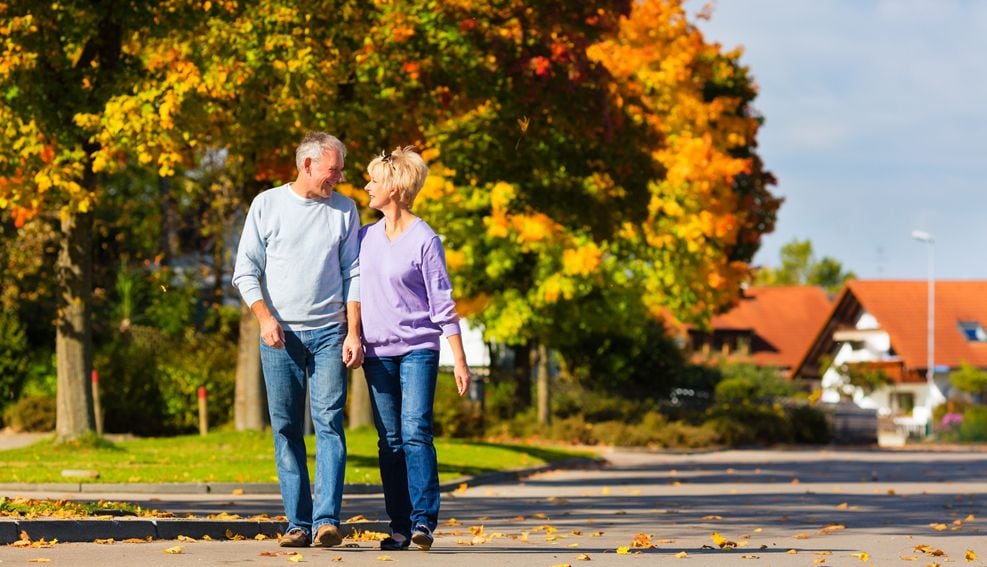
{"x": 973, "y": 428}
{"x": 455, "y": 416}
{"x": 31, "y": 413}
{"x": 14, "y": 361}
{"x": 809, "y": 425}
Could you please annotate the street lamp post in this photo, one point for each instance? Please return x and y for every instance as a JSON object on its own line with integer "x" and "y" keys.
{"x": 930, "y": 371}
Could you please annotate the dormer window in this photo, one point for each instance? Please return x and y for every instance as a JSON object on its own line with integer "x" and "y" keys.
{"x": 973, "y": 331}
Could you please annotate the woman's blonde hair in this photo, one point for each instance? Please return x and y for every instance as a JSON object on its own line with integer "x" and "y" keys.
{"x": 403, "y": 170}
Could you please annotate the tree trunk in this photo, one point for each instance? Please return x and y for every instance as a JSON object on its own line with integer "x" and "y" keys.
{"x": 249, "y": 404}
{"x": 522, "y": 376}
{"x": 544, "y": 388}
{"x": 360, "y": 412}
{"x": 73, "y": 335}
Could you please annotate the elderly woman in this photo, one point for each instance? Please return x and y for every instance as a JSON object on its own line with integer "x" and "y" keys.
{"x": 407, "y": 306}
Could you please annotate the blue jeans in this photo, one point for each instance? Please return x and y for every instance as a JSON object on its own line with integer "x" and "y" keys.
{"x": 316, "y": 357}
{"x": 402, "y": 392}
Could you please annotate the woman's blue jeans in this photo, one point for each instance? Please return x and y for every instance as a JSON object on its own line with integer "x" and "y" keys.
{"x": 402, "y": 392}
{"x": 316, "y": 357}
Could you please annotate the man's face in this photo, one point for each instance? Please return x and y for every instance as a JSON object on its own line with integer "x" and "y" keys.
{"x": 326, "y": 172}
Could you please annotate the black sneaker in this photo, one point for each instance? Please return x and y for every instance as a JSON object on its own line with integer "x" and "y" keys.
{"x": 422, "y": 536}
{"x": 391, "y": 543}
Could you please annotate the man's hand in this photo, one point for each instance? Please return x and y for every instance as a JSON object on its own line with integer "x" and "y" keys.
{"x": 352, "y": 351}
{"x": 462, "y": 373}
{"x": 271, "y": 332}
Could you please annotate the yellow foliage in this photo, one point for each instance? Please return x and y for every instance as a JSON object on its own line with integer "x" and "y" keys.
{"x": 581, "y": 261}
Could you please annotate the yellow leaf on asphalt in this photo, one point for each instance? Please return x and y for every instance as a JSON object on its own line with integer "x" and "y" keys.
{"x": 819, "y": 561}
{"x": 712, "y": 517}
{"x": 39, "y": 560}
{"x": 792, "y": 551}
{"x": 908, "y": 558}
{"x": 357, "y": 518}
{"x": 970, "y": 518}
{"x": 451, "y": 522}
{"x": 336, "y": 559}
{"x": 596, "y": 534}
{"x": 938, "y": 527}
{"x": 583, "y": 557}
{"x": 642, "y": 540}
{"x": 384, "y": 558}
{"x": 104, "y": 541}
{"x": 296, "y": 558}
{"x": 175, "y": 550}
{"x": 863, "y": 555}
{"x": 970, "y": 555}
{"x": 832, "y": 528}
{"x": 843, "y": 506}
{"x": 260, "y": 537}
{"x": 681, "y": 555}
{"x": 237, "y": 491}
{"x": 461, "y": 488}
{"x": 750, "y": 557}
{"x": 623, "y": 550}
{"x": 562, "y": 565}
{"x": 540, "y": 516}
{"x": 605, "y": 491}
{"x": 801, "y": 536}
{"x": 186, "y": 538}
{"x": 233, "y": 536}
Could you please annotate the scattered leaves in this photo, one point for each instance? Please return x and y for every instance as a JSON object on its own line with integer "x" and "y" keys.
{"x": 175, "y": 550}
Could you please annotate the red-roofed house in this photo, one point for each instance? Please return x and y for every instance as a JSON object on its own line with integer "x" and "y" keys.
{"x": 770, "y": 326}
{"x": 882, "y": 324}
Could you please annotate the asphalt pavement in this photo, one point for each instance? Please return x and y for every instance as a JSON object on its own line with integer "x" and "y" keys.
{"x": 759, "y": 507}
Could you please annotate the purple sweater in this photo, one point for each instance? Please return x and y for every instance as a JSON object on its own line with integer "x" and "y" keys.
{"x": 405, "y": 292}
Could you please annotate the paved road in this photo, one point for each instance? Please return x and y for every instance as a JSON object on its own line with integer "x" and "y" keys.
{"x": 806, "y": 508}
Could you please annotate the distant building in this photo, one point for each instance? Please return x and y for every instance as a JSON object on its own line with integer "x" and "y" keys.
{"x": 769, "y": 326}
{"x": 881, "y": 326}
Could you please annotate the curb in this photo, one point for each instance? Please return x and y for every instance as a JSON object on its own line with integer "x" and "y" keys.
{"x": 119, "y": 530}
{"x": 509, "y": 475}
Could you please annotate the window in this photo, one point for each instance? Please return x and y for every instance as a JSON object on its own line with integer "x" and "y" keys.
{"x": 903, "y": 402}
{"x": 973, "y": 331}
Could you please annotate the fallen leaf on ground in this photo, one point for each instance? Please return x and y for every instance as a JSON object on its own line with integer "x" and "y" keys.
{"x": 461, "y": 488}
{"x": 276, "y": 553}
{"x": 722, "y": 542}
{"x": 642, "y": 540}
{"x": 260, "y": 537}
{"x": 39, "y": 560}
{"x": 596, "y": 534}
{"x": 681, "y": 555}
{"x": 863, "y": 555}
{"x": 233, "y": 536}
{"x": 237, "y": 491}
{"x": 296, "y": 558}
{"x": 336, "y": 559}
{"x": 186, "y": 539}
{"x": 583, "y": 557}
{"x": 792, "y": 551}
{"x": 451, "y": 522}
{"x": 938, "y": 527}
{"x": 384, "y": 558}
{"x": 749, "y": 557}
{"x": 562, "y": 565}
{"x": 843, "y": 506}
{"x": 106, "y": 541}
{"x": 801, "y": 536}
{"x": 970, "y": 555}
{"x": 175, "y": 550}
{"x": 908, "y": 558}
{"x": 832, "y": 528}
{"x": 712, "y": 517}
{"x": 139, "y": 540}
{"x": 357, "y": 518}
{"x": 623, "y": 550}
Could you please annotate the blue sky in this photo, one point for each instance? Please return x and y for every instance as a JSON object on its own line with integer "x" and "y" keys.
{"x": 875, "y": 125}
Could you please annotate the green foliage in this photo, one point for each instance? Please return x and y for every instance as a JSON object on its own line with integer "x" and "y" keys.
{"x": 799, "y": 266}
{"x": 455, "y": 416}
{"x": 14, "y": 356}
{"x": 968, "y": 378}
{"x": 31, "y": 413}
{"x": 865, "y": 377}
{"x": 973, "y": 428}
{"x": 744, "y": 382}
{"x": 149, "y": 381}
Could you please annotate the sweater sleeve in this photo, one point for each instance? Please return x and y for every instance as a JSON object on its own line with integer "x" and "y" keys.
{"x": 349, "y": 255}
{"x": 438, "y": 286}
{"x": 251, "y": 257}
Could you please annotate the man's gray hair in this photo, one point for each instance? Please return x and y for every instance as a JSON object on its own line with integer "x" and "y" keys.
{"x": 314, "y": 144}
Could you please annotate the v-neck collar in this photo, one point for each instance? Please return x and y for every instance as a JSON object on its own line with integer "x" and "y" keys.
{"x": 383, "y": 231}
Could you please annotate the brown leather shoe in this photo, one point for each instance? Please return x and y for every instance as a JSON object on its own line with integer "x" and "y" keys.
{"x": 294, "y": 538}
{"x": 328, "y": 536}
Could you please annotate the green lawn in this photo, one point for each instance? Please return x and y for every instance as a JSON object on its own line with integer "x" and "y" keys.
{"x": 242, "y": 457}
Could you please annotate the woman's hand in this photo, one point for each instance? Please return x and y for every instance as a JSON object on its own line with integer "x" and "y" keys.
{"x": 463, "y": 378}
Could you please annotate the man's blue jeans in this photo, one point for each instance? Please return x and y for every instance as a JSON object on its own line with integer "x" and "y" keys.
{"x": 316, "y": 357}
{"x": 402, "y": 391}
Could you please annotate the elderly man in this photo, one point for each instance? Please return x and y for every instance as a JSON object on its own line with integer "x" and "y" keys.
{"x": 297, "y": 267}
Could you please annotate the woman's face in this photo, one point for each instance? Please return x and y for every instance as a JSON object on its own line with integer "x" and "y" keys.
{"x": 379, "y": 197}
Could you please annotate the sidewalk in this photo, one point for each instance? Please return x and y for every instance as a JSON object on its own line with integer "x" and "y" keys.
{"x": 215, "y": 510}
{"x": 784, "y": 508}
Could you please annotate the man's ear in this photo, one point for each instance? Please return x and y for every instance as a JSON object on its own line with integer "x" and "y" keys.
{"x": 307, "y": 167}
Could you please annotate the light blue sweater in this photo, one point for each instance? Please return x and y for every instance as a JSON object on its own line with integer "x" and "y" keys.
{"x": 302, "y": 256}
